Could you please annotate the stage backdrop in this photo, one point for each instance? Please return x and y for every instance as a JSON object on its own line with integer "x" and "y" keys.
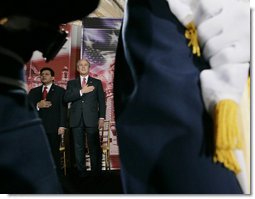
{"x": 95, "y": 41}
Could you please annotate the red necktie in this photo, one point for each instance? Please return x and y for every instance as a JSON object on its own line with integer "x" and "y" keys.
{"x": 84, "y": 81}
{"x": 45, "y": 92}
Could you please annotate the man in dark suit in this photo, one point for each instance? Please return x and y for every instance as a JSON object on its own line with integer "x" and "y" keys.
{"x": 87, "y": 115}
{"x": 165, "y": 134}
{"x": 48, "y": 100}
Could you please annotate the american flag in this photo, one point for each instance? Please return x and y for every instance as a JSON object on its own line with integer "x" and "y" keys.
{"x": 100, "y": 38}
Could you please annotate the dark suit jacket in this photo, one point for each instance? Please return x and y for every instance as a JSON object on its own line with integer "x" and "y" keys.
{"x": 90, "y": 105}
{"x": 55, "y": 116}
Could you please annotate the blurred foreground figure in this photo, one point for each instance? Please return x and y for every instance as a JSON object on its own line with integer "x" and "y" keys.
{"x": 26, "y": 164}
{"x": 176, "y": 106}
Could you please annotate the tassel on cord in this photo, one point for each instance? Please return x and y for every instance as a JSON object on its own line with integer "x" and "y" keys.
{"x": 191, "y": 34}
{"x": 227, "y": 134}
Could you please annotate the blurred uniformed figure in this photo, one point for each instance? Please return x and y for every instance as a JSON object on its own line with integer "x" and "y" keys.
{"x": 181, "y": 68}
{"x": 26, "y": 164}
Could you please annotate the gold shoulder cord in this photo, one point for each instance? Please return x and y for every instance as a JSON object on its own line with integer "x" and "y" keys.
{"x": 191, "y": 34}
{"x": 226, "y": 130}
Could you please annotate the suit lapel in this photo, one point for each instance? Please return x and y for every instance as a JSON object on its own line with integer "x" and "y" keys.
{"x": 51, "y": 91}
{"x": 90, "y": 81}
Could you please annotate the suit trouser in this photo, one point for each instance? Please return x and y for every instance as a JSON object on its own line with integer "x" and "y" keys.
{"x": 54, "y": 141}
{"x": 91, "y": 135}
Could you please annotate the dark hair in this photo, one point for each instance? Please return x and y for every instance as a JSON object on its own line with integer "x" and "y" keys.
{"x": 49, "y": 69}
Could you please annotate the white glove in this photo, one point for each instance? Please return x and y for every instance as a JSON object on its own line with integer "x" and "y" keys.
{"x": 224, "y": 31}
{"x": 224, "y": 34}
{"x": 225, "y": 82}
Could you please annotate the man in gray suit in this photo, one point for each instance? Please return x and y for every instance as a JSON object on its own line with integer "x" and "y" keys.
{"x": 87, "y": 115}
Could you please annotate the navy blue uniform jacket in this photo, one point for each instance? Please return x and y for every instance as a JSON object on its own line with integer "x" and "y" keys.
{"x": 165, "y": 134}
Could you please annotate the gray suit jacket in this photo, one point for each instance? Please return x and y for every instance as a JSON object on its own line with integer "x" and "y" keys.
{"x": 90, "y": 106}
